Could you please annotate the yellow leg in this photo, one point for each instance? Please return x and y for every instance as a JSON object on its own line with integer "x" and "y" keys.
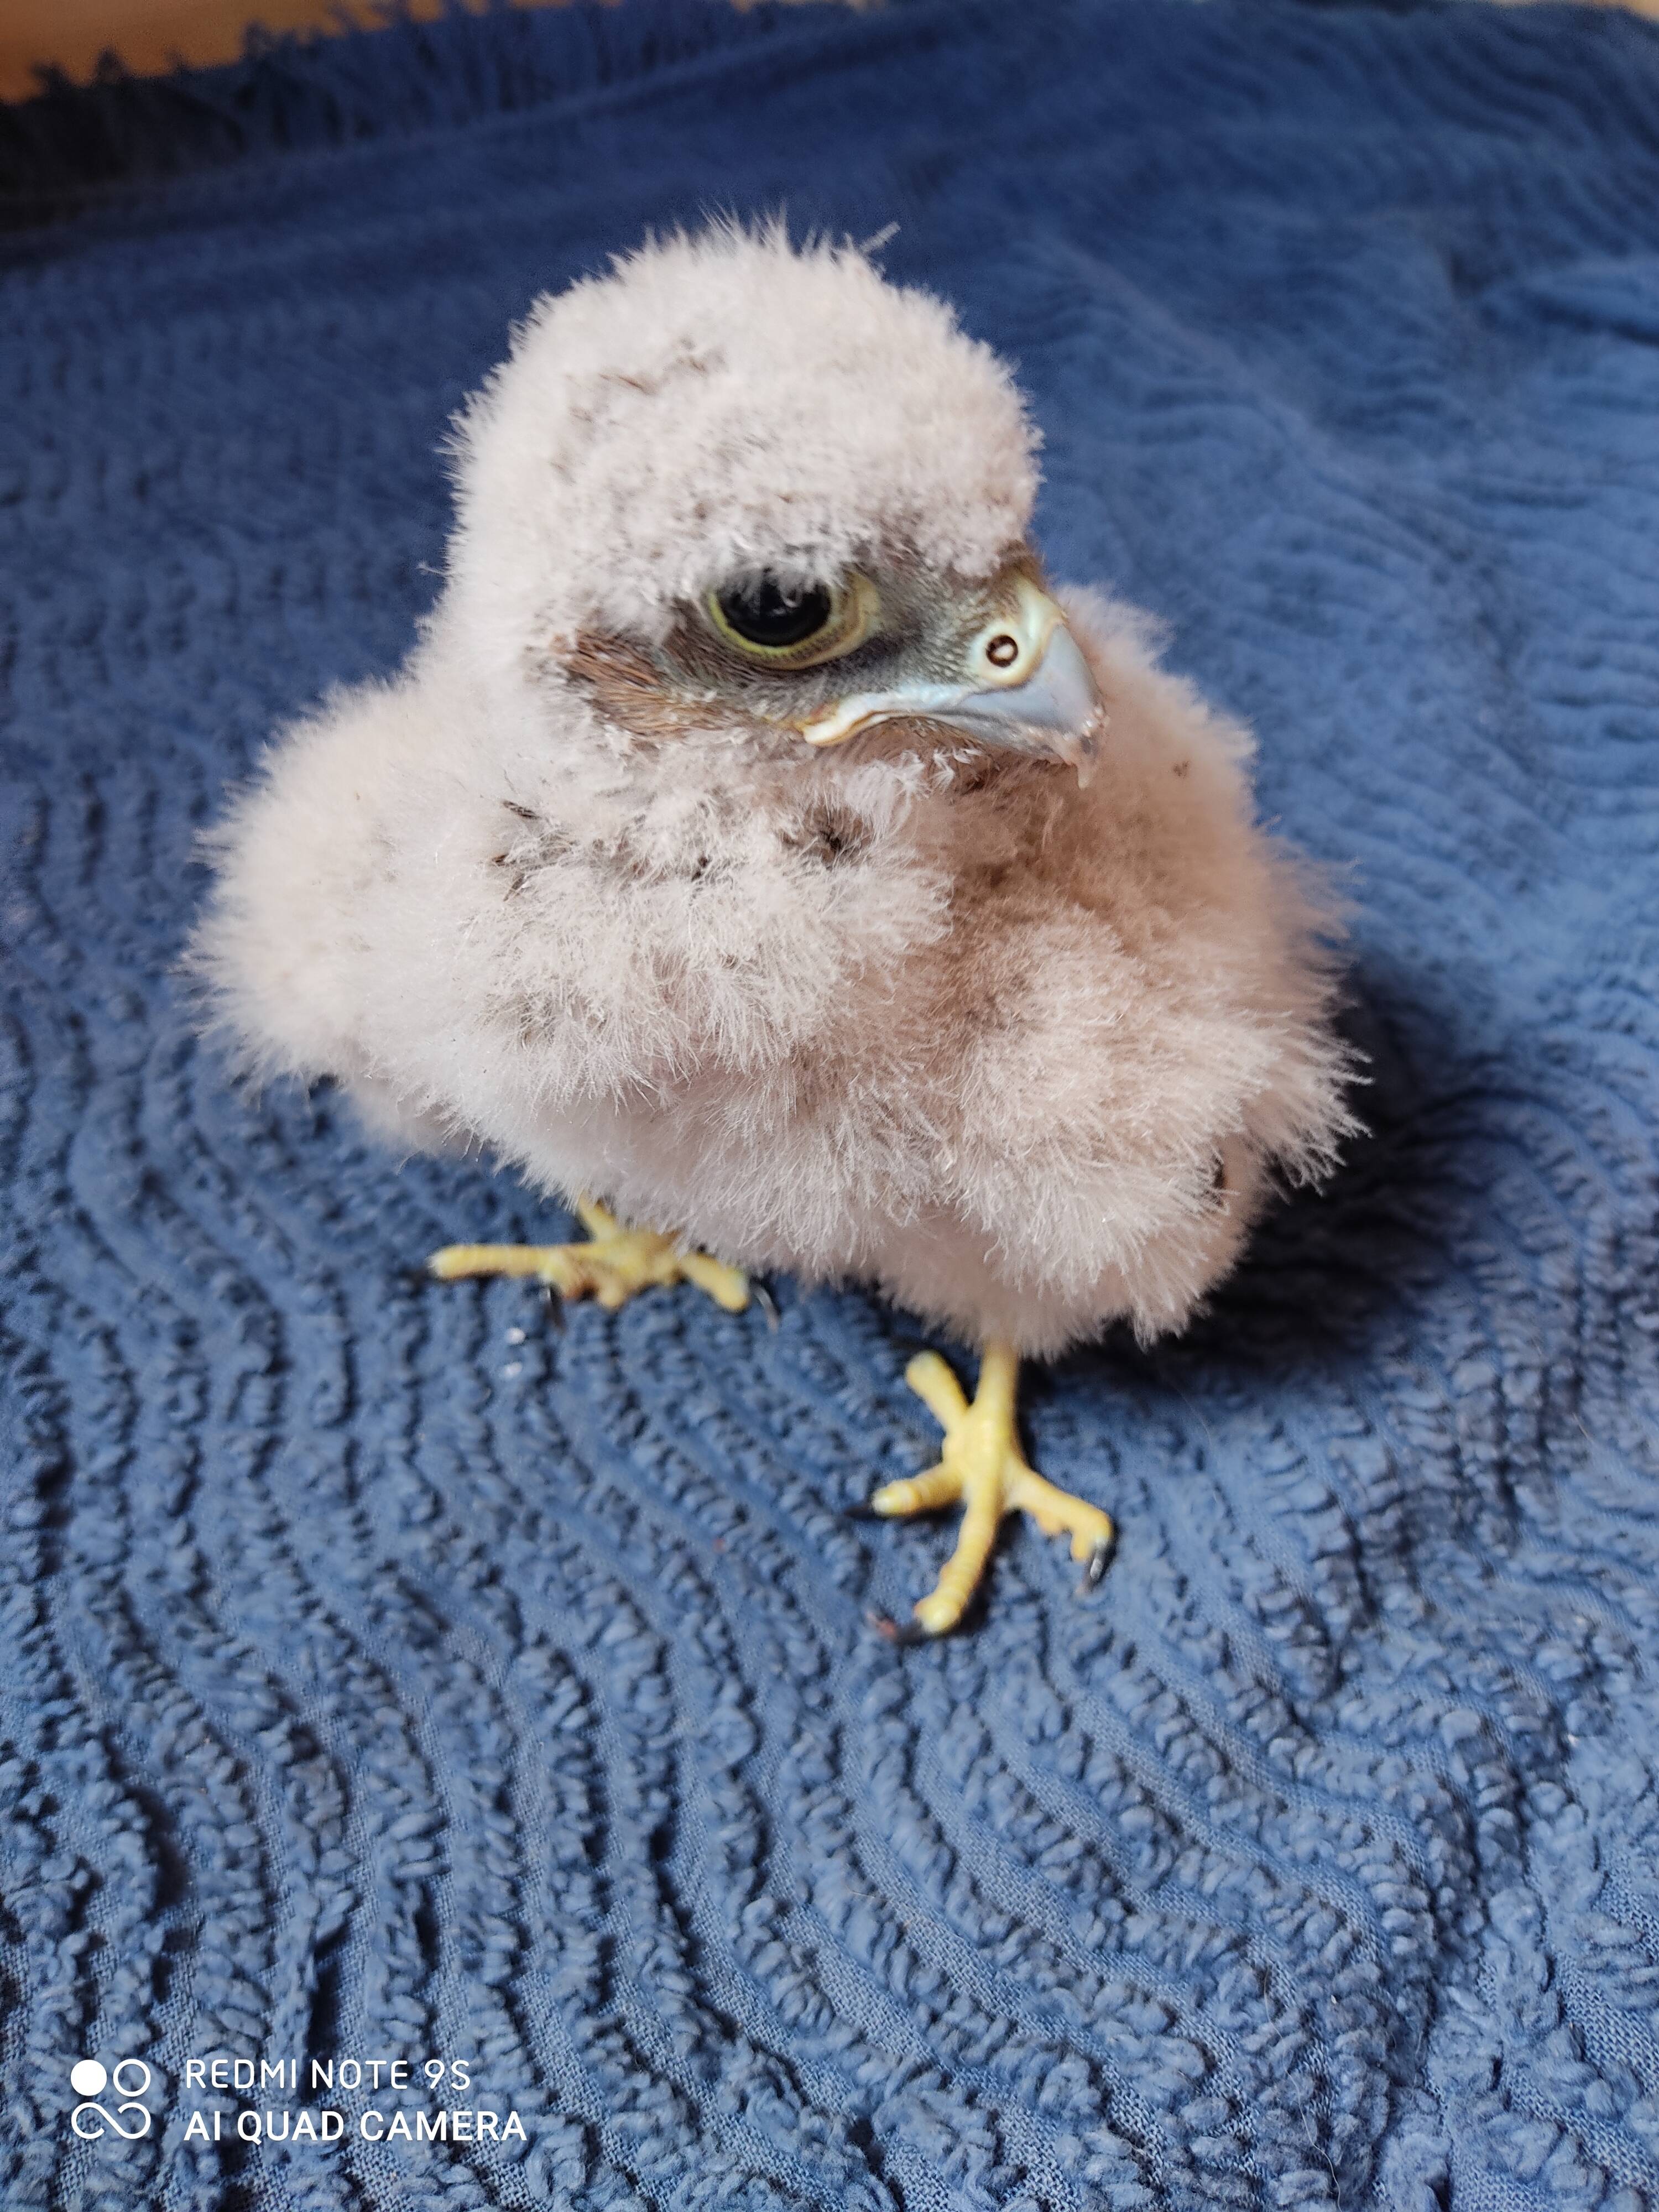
{"x": 981, "y": 1465}
{"x": 611, "y": 1266}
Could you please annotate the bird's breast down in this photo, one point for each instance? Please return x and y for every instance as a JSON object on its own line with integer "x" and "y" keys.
{"x": 1022, "y": 1054}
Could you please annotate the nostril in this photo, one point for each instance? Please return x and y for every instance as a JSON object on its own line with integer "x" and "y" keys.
{"x": 1003, "y": 651}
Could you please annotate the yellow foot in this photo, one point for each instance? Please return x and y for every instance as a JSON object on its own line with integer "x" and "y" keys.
{"x": 611, "y": 1266}
{"x": 982, "y": 1467}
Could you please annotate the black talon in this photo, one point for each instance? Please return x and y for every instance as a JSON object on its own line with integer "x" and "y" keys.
{"x": 903, "y": 1633}
{"x": 767, "y": 1304}
{"x": 552, "y": 1307}
{"x": 863, "y": 1512}
{"x": 1099, "y": 1560}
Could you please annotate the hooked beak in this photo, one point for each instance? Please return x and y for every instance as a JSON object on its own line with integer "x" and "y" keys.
{"x": 1025, "y": 685}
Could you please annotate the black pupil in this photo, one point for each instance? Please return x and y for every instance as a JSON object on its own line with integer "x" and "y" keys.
{"x": 767, "y": 612}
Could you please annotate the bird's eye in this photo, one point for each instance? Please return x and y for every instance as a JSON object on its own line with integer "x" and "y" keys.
{"x": 763, "y": 612}
{"x": 793, "y": 625}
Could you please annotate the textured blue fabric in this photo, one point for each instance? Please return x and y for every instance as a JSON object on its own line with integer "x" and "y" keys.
{"x": 377, "y": 1682}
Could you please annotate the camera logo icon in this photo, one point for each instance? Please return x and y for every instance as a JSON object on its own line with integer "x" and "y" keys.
{"x": 130, "y": 2078}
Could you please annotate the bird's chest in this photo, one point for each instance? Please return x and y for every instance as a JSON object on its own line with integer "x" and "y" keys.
{"x": 825, "y": 935}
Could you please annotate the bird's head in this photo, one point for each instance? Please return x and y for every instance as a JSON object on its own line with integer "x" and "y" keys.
{"x": 740, "y": 486}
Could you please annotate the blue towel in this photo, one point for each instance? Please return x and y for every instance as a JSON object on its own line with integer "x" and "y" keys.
{"x": 390, "y": 1676}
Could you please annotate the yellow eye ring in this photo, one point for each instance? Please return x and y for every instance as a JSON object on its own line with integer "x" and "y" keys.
{"x": 742, "y": 614}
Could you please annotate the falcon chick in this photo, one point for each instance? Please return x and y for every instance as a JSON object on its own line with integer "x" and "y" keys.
{"x": 755, "y": 839}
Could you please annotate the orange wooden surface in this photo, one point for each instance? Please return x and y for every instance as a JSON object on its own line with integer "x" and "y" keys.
{"x": 148, "y": 35}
